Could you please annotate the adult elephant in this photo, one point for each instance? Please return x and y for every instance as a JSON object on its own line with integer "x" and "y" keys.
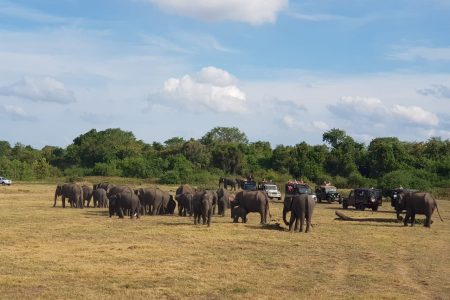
{"x": 253, "y": 201}
{"x": 301, "y": 208}
{"x": 87, "y": 195}
{"x": 227, "y": 182}
{"x": 185, "y": 204}
{"x": 185, "y": 188}
{"x": 103, "y": 185}
{"x": 72, "y": 191}
{"x": 416, "y": 203}
{"x": 202, "y": 207}
{"x": 222, "y": 201}
{"x": 152, "y": 199}
{"x": 167, "y": 198}
{"x": 100, "y": 198}
{"x": 125, "y": 200}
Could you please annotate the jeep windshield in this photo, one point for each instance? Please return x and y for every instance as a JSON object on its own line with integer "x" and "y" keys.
{"x": 270, "y": 187}
{"x": 330, "y": 189}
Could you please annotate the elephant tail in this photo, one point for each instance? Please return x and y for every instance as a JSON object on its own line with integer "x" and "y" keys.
{"x": 435, "y": 203}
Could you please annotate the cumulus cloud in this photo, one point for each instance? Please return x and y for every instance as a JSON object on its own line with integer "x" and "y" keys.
{"x": 211, "y": 89}
{"x": 415, "y": 114}
{"x": 254, "y": 12}
{"x": 320, "y": 125}
{"x": 45, "y": 89}
{"x": 16, "y": 113}
{"x": 351, "y": 106}
{"x": 437, "y": 90}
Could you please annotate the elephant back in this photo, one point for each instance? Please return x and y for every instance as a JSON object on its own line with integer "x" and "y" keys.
{"x": 185, "y": 188}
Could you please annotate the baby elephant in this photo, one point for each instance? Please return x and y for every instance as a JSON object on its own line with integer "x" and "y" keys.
{"x": 301, "y": 208}
{"x": 239, "y": 212}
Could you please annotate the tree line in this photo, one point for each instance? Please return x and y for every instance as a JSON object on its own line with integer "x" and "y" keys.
{"x": 385, "y": 162}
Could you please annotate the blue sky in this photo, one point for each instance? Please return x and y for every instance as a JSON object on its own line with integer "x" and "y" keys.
{"x": 281, "y": 71}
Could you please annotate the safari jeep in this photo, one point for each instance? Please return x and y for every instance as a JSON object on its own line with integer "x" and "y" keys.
{"x": 328, "y": 193}
{"x": 298, "y": 188}
{"x": 271, "y": 189}
{"x": 362, "y": 198}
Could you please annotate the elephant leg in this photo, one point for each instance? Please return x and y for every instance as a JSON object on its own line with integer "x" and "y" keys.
{"x": 261, "y": 213}
{"x": 63, "y": 199}
{"x": 407, "y": 216}
{"x": 427, "y": 220}
{"x": 195, "y": 219}
{"x": 413, "y": 219}
{"x": 308, "y": 224}
{"x": 244, "y": 218}
{"x": 291, "y": 222}
{"x": 297, "y": 225}
{"x": 120, "y": 212}
{"x": 302, "y": 220}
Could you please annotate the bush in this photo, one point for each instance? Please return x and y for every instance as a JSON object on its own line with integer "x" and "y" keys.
{"x": 106, "y": 169}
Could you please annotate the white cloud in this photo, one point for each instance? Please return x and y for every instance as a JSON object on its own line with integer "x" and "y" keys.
{"x": 211, "y": 89}
{"x": 250, "y": 11}
{"x": 320, "y": 125}
{"x": 16, "y": 112}
{"x": 421, "y": 53}
{"x": 353, "y": 106}
{"x": 416, "y": 115}
{"x": 45, "y": 89}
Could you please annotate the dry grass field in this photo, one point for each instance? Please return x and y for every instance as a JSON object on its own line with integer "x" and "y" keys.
{"x": 56, "y": 253}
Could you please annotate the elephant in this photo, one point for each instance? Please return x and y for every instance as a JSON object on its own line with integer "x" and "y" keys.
{"x": 253, "y": 201}
{"x": 185, "y": 188}
{"x": 416, "y": 203}
{"x": 87, "y": 194}
{"x": 239, "y": 212}
{"x": 301, "y": 207}
{"x": 152, "y": 200}
{"x": 222, "y": 201}
{"x": 124, "y": 200}
{"x": 228, "y": 182}
{"x": 100, "y": 198}
{"x": 185, "y": 204}
{"x": 104, "y": 185}
{"x": 214, "y": 200}
{"x": 167, "y": 198}
{"x": 171, "y": 205}
{"x": 202, "y": 207}
{"x": 72, "y": 191}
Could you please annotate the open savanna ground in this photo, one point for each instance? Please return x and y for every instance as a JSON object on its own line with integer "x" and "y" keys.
{"x": 82, "y": 253}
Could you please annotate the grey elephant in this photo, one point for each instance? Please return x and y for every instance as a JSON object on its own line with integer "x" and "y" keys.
{"x": 222, "y": 201}
{"x": 253, "y": 201}
{"x": 215, "y": 198}
{"x": 202, "y": 207}
{"x": 171, "y": 205}
{"x": 417, "y": 203}
{"x": 185, "y": 188}
{"x": 103, "y": 185}
{"x": 99, "y": 197}
{"x": 301, "y": 208}
{"x": 126, "y": 200}
{"x": 239, "y": 212}
{"x": 87, "y": 194}
{"x": 166, "y": 200}
{"x": 227, "y": 182}
{"x": 152, "y": 200}
{"x": 72, "y": 191}
{"x": 183, "y": 196}
{"x": 185, "y": 204}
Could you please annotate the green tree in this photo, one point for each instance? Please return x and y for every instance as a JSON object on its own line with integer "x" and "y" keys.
{"x": 224, "y": 135}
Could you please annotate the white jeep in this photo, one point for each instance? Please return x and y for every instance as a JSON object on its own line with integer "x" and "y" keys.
{"x": 4, "y": 181}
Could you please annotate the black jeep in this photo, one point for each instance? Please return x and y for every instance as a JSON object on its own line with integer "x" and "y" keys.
{"x": 328, "y": 193}
{"x": 362, "y": 198}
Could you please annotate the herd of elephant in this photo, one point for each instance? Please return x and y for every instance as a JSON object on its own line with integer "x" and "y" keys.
{"x": 202, "y": 204}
